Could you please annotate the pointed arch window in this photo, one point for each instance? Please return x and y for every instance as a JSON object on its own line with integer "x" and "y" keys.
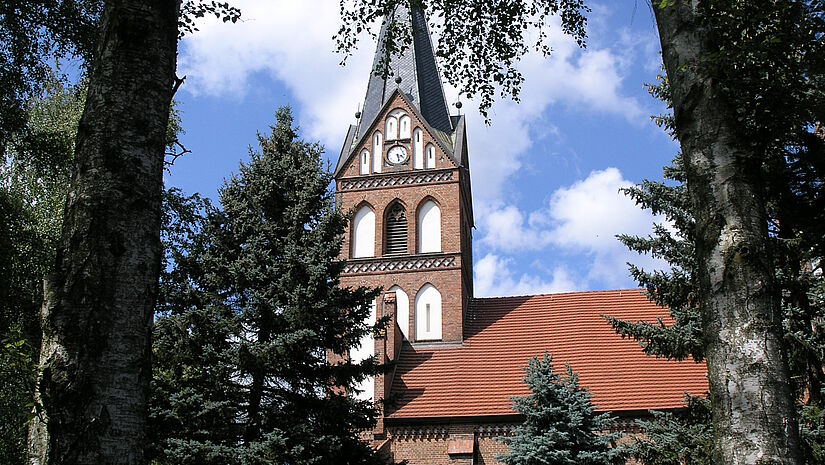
{"x": 429, "y": 227}
{"x": 377, "y": 151}
{"x": 365, "y": 163}
{"x": 429, "y": 161}
{"x": 363, "y": 233}
{"x": 396, "y": 230}
{"x": 428, "y": 314}
{"x": 418, "y": 149}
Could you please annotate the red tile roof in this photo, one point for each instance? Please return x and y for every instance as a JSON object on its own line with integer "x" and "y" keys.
{"x": 478, "y": 377}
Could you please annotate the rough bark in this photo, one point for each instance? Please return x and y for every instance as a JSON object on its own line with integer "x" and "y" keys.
{"x": 753, "y": 408}
{"x": 95, "y": 357}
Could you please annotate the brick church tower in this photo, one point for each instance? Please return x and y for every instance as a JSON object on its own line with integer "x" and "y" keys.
{"x": 403, "y": 172}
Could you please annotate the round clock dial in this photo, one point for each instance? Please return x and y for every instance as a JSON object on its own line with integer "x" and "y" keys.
{"x": 397, "y": 155}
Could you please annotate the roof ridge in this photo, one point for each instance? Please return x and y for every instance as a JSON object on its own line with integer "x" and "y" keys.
{"x": 566, "y": 293}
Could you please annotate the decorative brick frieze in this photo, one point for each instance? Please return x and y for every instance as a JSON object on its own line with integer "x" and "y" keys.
{"x": 411, "y": 433}
{"x": 405, "y": 179}
{"x": 495, "y": 430}
{"x": 398, "y": 264}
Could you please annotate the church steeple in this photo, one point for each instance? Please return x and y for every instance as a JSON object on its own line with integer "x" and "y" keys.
{"x": 416, "y": 67}
{"x": 404, "y": 174}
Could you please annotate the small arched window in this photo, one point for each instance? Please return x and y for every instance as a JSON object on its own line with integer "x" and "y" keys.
{"x": 418, "y": 149}
{"x": 404, "y": 127}
{"x": 429, "y": 227}
{"x": 428, "y": 314}
{"x": 377, "y": 152}
{"x": 429, "y": 161}
{"x": 363, "y": 233}
{"x": 396, "y": 237}
{"x": 395, "y": 119}
{"x": 402, "y": 310}
{"x": 365, "y": 163}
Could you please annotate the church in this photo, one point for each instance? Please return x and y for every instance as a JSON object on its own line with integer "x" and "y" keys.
{"x": 457, "y": 360}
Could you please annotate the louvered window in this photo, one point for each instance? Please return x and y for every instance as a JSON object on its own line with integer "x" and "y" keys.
{"x": 396, "y": 230}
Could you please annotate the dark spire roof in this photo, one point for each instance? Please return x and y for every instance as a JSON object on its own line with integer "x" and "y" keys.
{"x": 418, "y": 71}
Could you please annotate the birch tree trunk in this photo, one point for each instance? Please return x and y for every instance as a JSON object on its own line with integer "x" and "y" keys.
{"x": 95, "y": 357}
{"x": 753, "y": 408}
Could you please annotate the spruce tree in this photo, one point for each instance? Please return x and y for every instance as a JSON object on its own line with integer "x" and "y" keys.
{"x": 681, "y": 438}
{"x": 560, "y": 426}
{"x": 250, "y": 310}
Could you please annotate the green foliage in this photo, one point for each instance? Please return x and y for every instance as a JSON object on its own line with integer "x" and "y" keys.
{"x": 34, "y": 177}
{"x": 192, "y": 10}
{"x": 17, "y": 368}
{"x": 35, "y": 35}
{"x": 560, "y": 424}
{"x": 250, "y": 310}
{"x": 812, "y": 431}
{"x": 682, "y": 438}
{"x": 769, "y": 60}
{"x": 480, "y": 42}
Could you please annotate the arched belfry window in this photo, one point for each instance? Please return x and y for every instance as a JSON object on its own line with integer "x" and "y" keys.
{"x": 396, "y": 228}
{"x": 429, "y": 227}
{"x": 363, "y": 233}
{"x": 365, "y": 163}
{"x": 428, "y": 314}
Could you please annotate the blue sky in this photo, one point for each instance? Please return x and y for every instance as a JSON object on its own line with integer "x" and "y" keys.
{"x": 545, "y": 173}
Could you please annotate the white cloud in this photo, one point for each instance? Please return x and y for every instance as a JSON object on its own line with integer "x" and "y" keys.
{"x": 581, "y": 219}
{"x": 493, "y": 277}
{"x": 292, "y": 42}
{"x": 589, "y": 81}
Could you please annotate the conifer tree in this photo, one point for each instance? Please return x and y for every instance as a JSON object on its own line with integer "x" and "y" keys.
{"x": 560, "y": 426}
{"x": 250, "y": 310}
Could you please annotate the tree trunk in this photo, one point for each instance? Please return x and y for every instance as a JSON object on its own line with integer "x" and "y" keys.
{"x": 94, "y": 370}
{"x": 753, "y": 409}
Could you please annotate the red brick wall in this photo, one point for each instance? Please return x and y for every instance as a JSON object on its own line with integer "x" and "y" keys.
{"x": 428, "y": 445}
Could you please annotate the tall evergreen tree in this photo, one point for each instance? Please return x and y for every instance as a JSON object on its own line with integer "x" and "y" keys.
{"x": 560, "y": 424}
{"x": 250, "y": 310}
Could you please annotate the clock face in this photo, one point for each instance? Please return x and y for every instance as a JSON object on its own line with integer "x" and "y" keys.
{"x": 397, "y": 154}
